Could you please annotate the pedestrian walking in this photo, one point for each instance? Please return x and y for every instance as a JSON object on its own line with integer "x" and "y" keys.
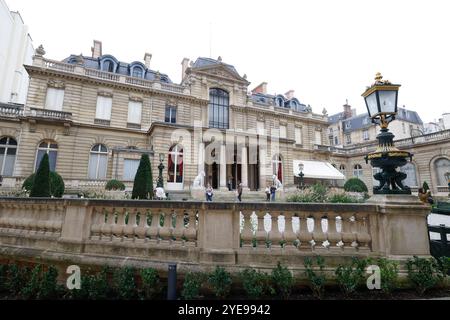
{"x": 209, "y": 193}
{"x": 239, "y": 192}
{"x": 267, "y": 191}
{"x": 273, "y": 191}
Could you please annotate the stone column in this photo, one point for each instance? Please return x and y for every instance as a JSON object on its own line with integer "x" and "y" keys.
{"x": 223, "y": 168}
{"x": 201, "y": 157}
{"x": 262, "y": 169}
{"x": 244, "y": 167}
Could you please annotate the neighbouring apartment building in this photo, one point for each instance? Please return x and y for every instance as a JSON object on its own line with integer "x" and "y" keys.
{"x": 95, "y": 116}
{"x": 16, "y": 49}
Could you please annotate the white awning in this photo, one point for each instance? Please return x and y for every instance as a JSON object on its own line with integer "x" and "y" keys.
{"x": 317, "y": 170}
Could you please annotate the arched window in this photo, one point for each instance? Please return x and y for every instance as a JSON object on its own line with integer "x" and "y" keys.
{"x": 279, "y": 101}
{"x": 137, "y": 71}
{"x": 98, "y": 162}
{"x": 175, "y": 164}
{"x": 342, "y": 169}
{"x": 277, "y": 167}
{"x": 108, "y": 66}
{"x": 441, "y": 165}
{"x": 50, "y": 148}
{"x": 357, "y": 171}
{"x": 218, "y": 108}
{"x": 8, "y": 150}
{"x": 411, "y": 177}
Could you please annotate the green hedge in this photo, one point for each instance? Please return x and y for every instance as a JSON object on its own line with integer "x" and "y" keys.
{"x": 355, "y": 185}
{"x": 115, "y": 185}
{"x": 57, "y": 186}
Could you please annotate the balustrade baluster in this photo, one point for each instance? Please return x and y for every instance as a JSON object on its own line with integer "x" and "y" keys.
{"x": 333, "y": 236}
{"x": 165, "y": 232}
{"x": 178, "y": 230}
{"x": 275, "y": 235}
{"x": 247, "y": 234}
{"x": 98, "y": 221}
{"x": 304, "y": 236}
{"x": 261, "y": 234}
{"x": 152, "y": 231}
{"x": 141, "y": 230}
{"x": 131, "y": 224}
{"x": 289, "y": 236}
{"x": 362, "y": 236}
{"x": 190, "y": 233}
{"x": 318, "y": 235}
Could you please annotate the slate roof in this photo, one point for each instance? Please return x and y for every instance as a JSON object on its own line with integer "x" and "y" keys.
{"x": 123, "y": 67}
{"x": 269, "y": 99}
{"x": 204, "y": 62}
{"x": 363, "y": 121}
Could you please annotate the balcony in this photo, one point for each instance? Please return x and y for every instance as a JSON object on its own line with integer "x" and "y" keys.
{"x": 108, "y": 76}
{"x": 47, "y": 114}
{"x": 11, "y": 110}
{"x": 322, "y": 148}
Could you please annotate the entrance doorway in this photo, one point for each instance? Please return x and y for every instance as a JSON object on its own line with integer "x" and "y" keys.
{"x": 214, "y": 178}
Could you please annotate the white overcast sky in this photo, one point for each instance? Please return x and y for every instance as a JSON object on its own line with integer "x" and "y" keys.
{"x": 327, "y": 51}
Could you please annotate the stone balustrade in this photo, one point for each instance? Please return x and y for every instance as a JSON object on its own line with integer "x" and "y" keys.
{"x": 11, "y": 111}
{"x": 216, "y": 233}
{"x": 50, "y": 114}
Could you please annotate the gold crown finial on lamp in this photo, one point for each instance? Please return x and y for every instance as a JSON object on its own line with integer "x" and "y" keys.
{"x": 378, "y": 76}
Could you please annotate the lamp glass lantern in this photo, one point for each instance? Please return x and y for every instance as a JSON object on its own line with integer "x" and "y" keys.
{"x": 381, "y": 99}
{"x": 161, "y": 157}
{"x": 301, "y": 166}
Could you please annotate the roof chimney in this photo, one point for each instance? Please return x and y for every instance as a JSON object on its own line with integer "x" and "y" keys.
{"x": 262, "y": 88}
{"x": 289, "y": 95}
{"x": 147, "y": 59}
{"x": 184, "y": 66}
{"x": 96, "y": 49}
{"x": 347, "y": 110}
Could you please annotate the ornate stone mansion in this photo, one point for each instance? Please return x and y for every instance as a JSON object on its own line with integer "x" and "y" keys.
{"x": 95, "y": 116}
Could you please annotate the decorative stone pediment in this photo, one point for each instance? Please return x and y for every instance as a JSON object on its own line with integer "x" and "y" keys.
{"x": 220, "y": 71}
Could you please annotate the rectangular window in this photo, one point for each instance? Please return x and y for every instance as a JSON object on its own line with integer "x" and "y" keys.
{"x": 171, "y": 114}
{"x": 134, "y": 112}
{"x": 282, "y": 131}
{"x": 130, "y": 167}
{"x": 348, "y": 138}
{"x": 298, "y": 135}
{"x": 260, "y": 128}
{"x": 54, "y": 99}
{"x": 366, "y": 134}
{"x": 336, "y": 141}
{"x": 318, "y": 137}
{"x": 104, "y": 105}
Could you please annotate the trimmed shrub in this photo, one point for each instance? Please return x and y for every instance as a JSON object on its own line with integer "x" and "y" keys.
{"x": 125, "y": 283}
{"x": 151, "y": 285}
{"x": 255, "y": 283}
{"x": 425, "y": 186}
{"x": 114, "y": 185}
{"x": 316, "y": 278}
{"x": 389, "y": 274}
{"x": 143, "y": 181}
{"x": 351, "y": 276}
{"x": 32, "y": 287}
{"x": 220, "y": 282}
{"x": 192, "y": 284}
{"x": 41, "y": 182}
{"x": 282, "y": 280}
{"x": 423, "y": 273}
{"x": 48, "y": 287}
{"x": 355, "y": 185}
{"x": 57, "y": 186}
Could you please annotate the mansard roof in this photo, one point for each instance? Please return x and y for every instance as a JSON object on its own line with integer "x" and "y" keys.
{"x": 123, "y": 68}
{"x": 205, "y": 62}
{"x": 269, "y": 99}
{"x": 363, "y": 121}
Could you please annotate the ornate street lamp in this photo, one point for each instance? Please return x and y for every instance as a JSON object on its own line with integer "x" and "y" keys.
{"x": 381, "y": 102}
{"x": 300, "y": 176}
{"x": 160, "y": 183}
{"x": 447, "y": 176}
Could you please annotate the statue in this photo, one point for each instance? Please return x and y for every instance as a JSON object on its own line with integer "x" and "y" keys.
{"x": 199, "y": 180}
{"x": 276, "y": 182}
{"x": 160, "y": 193}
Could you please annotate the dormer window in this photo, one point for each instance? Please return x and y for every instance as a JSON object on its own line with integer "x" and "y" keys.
{"x": 137, "y": 72}
{"x": 108, "y": 66}
{"x": 108, "y": 63}
{"x": 279, "y": 102}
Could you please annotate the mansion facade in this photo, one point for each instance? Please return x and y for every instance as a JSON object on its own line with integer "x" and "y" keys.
{"x": 95, "y": 116}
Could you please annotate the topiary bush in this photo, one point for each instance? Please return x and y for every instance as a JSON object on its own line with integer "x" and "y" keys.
{"x": 388, "y": 273}
{"x": 125, "y": 284}
{"x": 350, "y": 276}
{"x": 114, "y": 185}
{"x": 282, "y": 280}
{"x": 255, "y": 283}
{"x": 425, "y": 186}
{"x": 355, "y": 185}
{"x": 57, "y": 186}
{"x": 192, "y": 284}
{"x": 143, "y": 181}
{"x": 151, "y": 284}
{"x": 220, "y": 282}
{"x": 424, "y": 273}
{"x": 41, "y": 182}
{"x": 316, "y": 278}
